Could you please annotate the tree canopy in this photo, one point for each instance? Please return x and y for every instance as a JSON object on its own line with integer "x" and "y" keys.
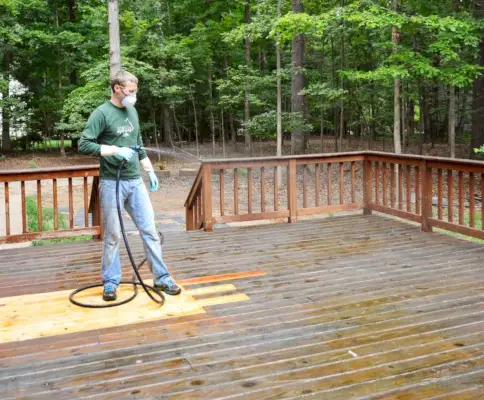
{"x": 195, "y": 81}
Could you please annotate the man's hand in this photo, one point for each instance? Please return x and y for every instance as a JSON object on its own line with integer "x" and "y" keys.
{"x": 154, "y": 186}
{"x": 125, "y": 153}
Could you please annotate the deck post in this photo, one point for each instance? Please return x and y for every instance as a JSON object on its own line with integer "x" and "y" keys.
{"x": 292, "y": 191}
{"x": 426, "y": 197}
{"x": 189, "y": 217}
{"x": 367, "y": 185}
{"x": 207, "y": 198}
{"x": 95, "y": 208}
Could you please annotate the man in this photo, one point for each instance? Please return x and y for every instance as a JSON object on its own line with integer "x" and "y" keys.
{"x": 111, "y": 129}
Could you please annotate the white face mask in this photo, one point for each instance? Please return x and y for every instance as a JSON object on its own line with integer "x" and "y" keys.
{"x": 129, "y": 101}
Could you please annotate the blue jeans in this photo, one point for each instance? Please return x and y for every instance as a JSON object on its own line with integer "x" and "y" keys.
{"x": 135, "y": 200}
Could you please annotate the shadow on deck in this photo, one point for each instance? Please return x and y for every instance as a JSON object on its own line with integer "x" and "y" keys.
{"x": 340, "y": 308}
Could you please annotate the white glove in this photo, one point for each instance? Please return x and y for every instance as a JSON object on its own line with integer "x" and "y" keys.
{"x": 107, "y": 150}
{"x": 146, "y": 164}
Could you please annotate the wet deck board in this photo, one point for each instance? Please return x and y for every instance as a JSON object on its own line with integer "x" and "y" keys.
{"x": 341, "y": 308}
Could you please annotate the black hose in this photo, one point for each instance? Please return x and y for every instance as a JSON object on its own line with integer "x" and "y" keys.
{"x": 147, "y": 288}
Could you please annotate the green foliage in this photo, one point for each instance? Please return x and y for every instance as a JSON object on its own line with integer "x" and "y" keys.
{"x": 175, "y": 46}
{"x": 33, "y": 164}
{"x": 264, "y": 125}
{"x": 47, "y": 217}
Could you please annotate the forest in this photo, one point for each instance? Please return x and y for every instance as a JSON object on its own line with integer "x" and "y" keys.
{"x": 222, "y": 72}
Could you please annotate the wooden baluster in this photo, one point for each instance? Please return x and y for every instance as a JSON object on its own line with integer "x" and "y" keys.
{"x": 236, "y": 191}
{"x": 417, "y": 190}
{"x": 305, "y": 186}
{"x": 377, "y": 183}
{"x": 317, "y": 173}
{"x": 408, "y": 181}
{"x": 56, "y": 205}
{"x": 86, "y": 205}
{"x": 249, "y": 190}
{"x": 385, "y": 194}
{"x": 353, "y": 182}
{"x": 276, "y": 189}
{"x": 341, "y": 183}
{"x": 207, "y": 198}
{"x": 440, "y": 205}
{"x": 427, "y": 191}
{"x": 39, "y": 204}
{"x": 461, "y": 198}
{"x": 7, "y": 209}
{"x": 400, "y": 187}
{"x": 482, "y": 201}
{"x": 330, "y": 189}
{"x": 450, "y": 195}
{"x": 189, "y": 217}
{"x": 24, "y": 207}
{"x": 292, "y": 191}
{"x": 472, "y": 200}
{"x": 262, "y": 190}
{"x": 392, "y": 185}
{"x": 71, "y": 205}
{"x": 367, "y": 185}
{"x": 222, "y": 192}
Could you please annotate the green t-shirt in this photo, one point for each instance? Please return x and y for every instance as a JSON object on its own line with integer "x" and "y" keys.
{"x": 113, "y": 126}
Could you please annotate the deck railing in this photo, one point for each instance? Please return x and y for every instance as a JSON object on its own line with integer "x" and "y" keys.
{"x": 18, "y": 184}
{"x": 405, "y": 186}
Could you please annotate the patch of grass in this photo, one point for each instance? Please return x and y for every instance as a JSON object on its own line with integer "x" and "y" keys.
{"x": 477, "y": 221}
{"x": 47, "y": 223}
{"x": 53, "y": 144}
{"x": 2, "y": 157}
{"x": 59, "y": 241}
{"x": 33, "y": 164}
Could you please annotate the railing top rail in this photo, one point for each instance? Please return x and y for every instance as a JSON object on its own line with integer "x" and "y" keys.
{"x": 413, "y": 157}
{"x": 47, "y": 170}
{"x": 216, "y": 161}
{"x": 48, "y": 173}
{"x": 196, "y": 184}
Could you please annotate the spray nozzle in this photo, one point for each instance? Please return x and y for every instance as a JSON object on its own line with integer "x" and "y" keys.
{"x": 136, "y": 148}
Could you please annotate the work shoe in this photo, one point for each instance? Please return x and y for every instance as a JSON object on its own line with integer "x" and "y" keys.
{"x": 169, "y": 287}
{"x": 109, "y": 294}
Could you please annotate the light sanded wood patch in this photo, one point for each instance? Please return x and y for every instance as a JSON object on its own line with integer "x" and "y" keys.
{"x": 48, "y": 314}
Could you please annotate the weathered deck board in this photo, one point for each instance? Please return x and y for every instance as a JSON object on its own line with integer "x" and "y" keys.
{"x": 349, "y": 307}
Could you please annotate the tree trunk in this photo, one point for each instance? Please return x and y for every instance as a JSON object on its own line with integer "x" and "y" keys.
{"x": 298, "y": 136}
{"x": 248, "y": 139}
{"x": 452, "y": 121}
{"x": 222, "y": 130}
{"x": 478, "y": 92}
{"x": 73, "y": 18}
{"x": 196, "y": 119}
{"x": 232, "y": 129}
{"x": 7, "y": 61}
{"x": 411, "y": 120}
{"x": 156, "y": 136}
{"x": 210, "y": 108}
{"x": 342, "y": 103}
{"x": 333, "y": 79}
{"x": 397, "y": 106}
{"x": 173, "y": 111}
{"x": 279, "y": 90}
{"x": 167, "y": 125}
{"x": 114, "y": 41}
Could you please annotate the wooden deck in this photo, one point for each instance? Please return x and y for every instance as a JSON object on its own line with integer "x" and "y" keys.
{"x": 340, "y": 308}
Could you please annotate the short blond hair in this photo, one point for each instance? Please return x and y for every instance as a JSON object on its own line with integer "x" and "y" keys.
{"x": 122, "y": 77}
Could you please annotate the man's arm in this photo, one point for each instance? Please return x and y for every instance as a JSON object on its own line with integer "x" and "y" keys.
{"x": 89, "y": 143}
